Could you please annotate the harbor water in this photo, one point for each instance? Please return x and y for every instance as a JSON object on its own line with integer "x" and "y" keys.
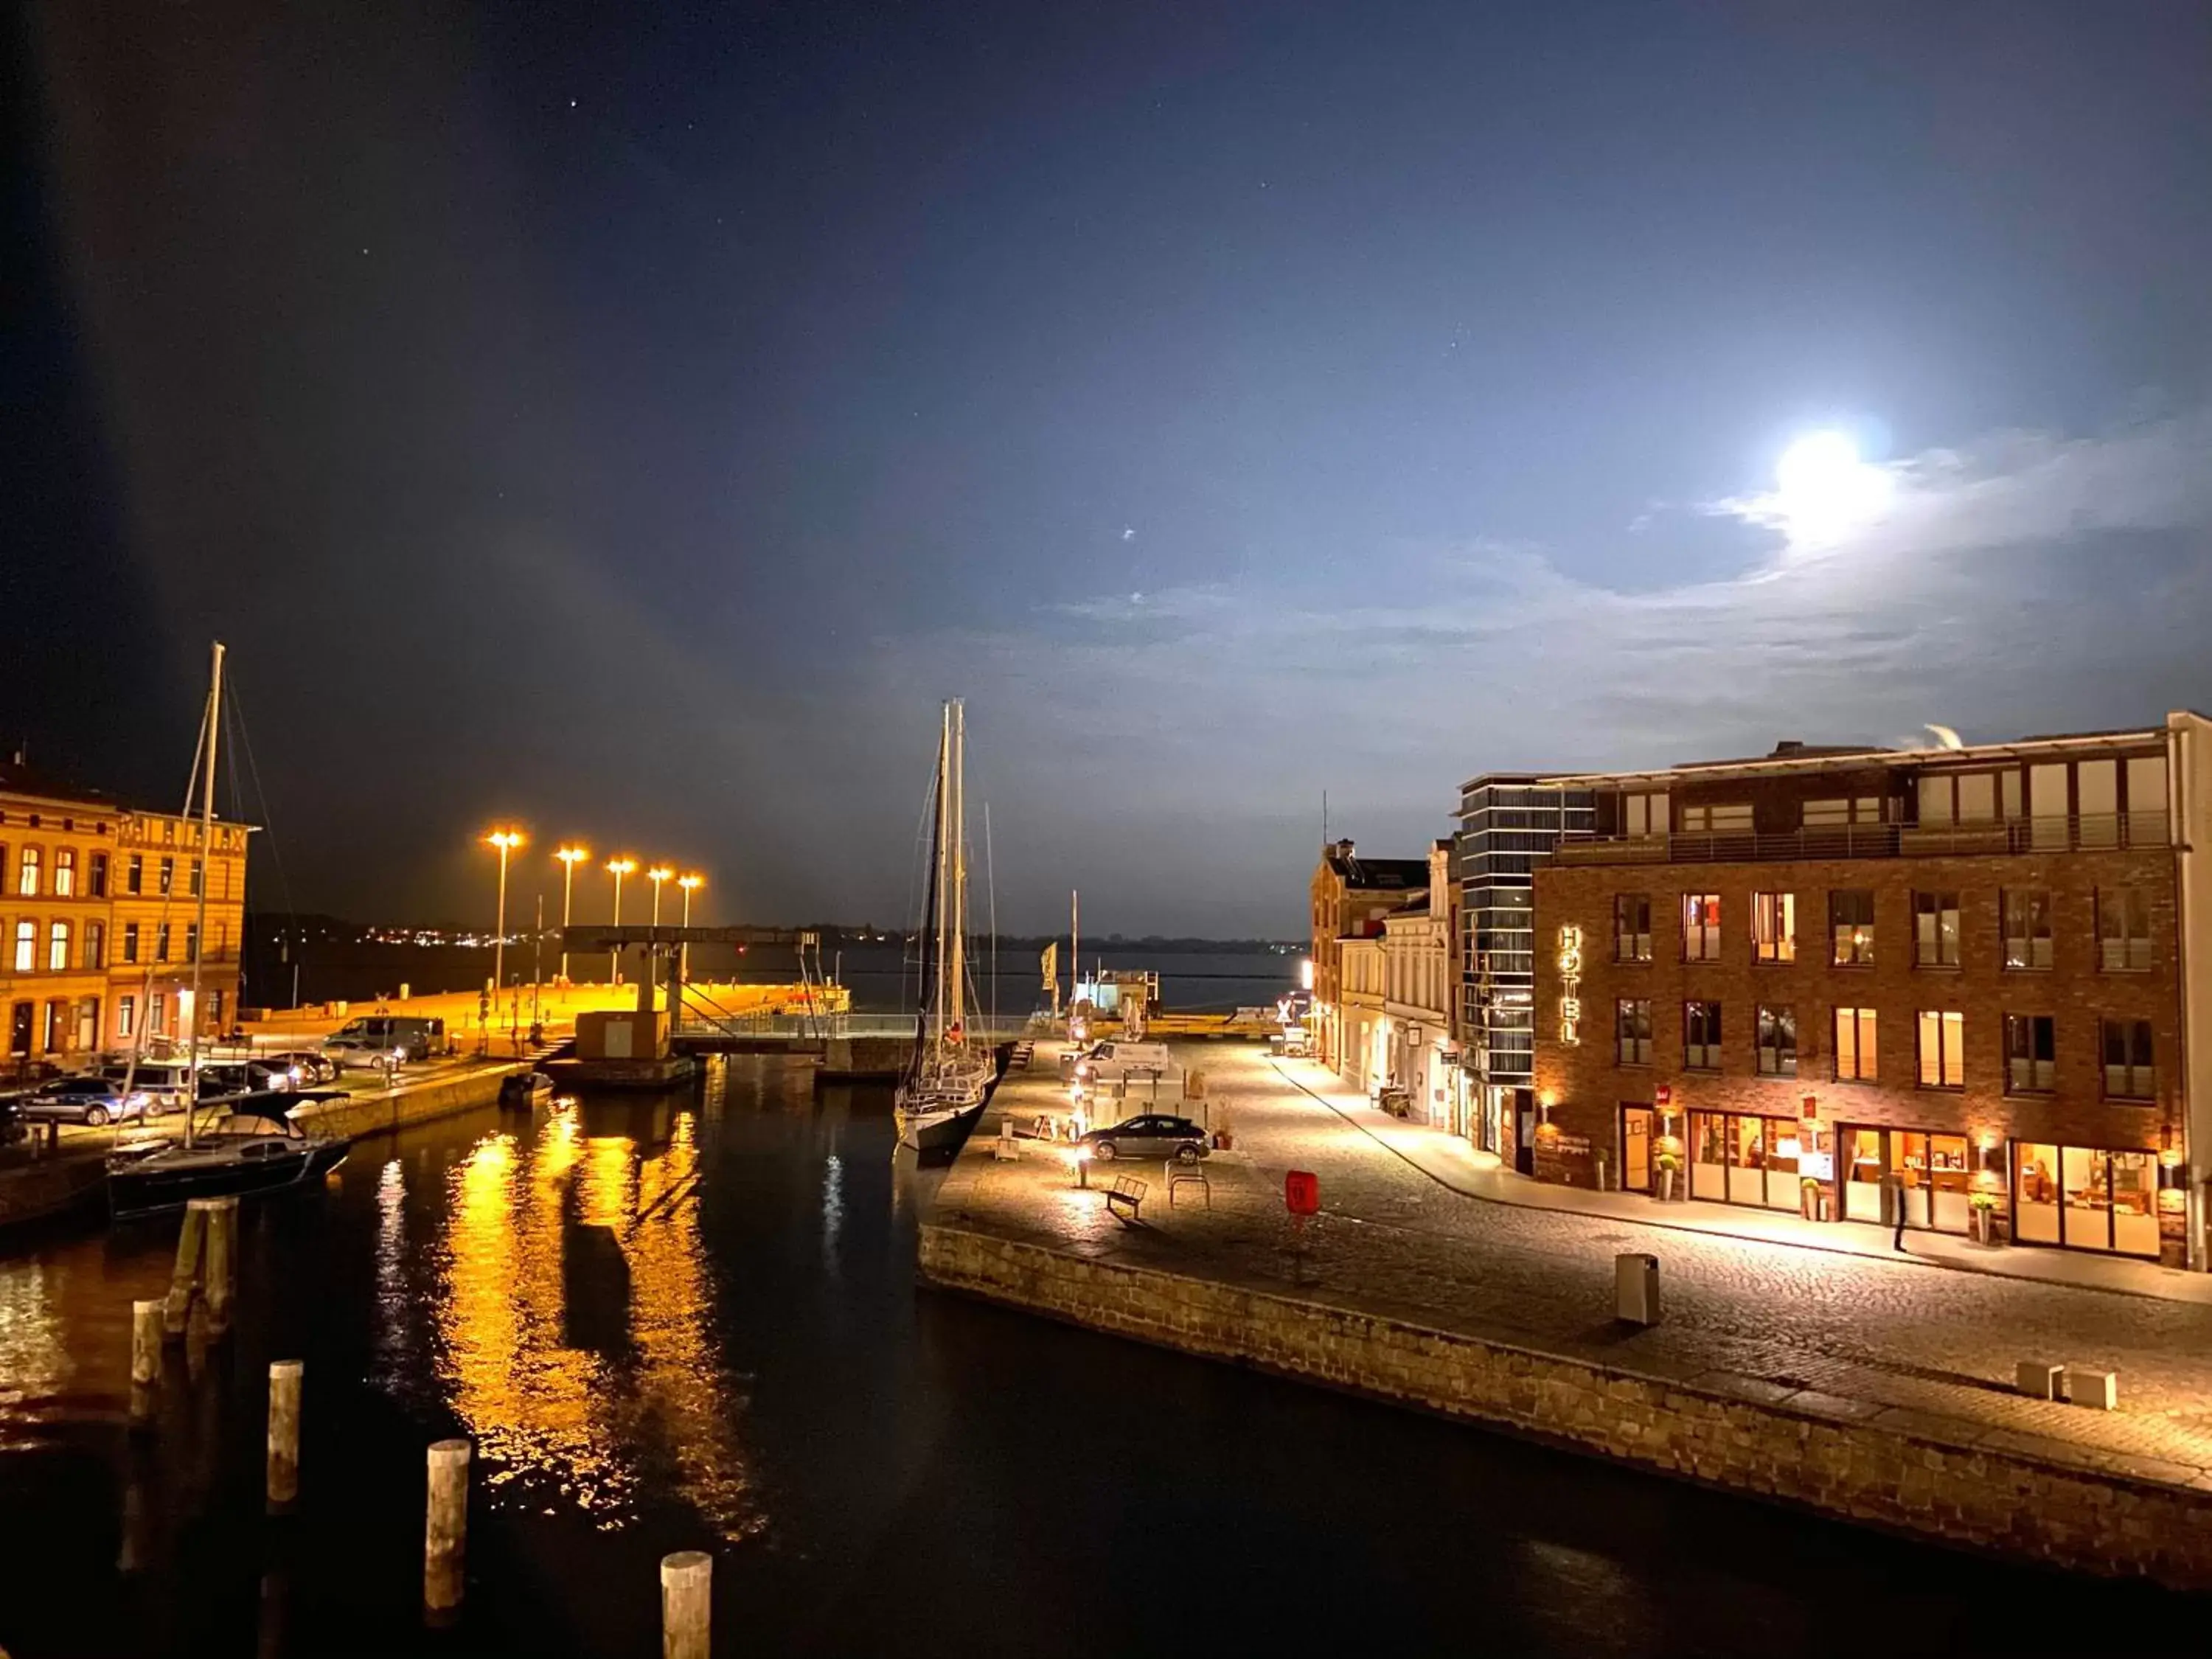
{"x": 693, "y": 1322}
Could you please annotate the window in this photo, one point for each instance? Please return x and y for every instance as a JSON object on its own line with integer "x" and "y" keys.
{"x": 1774, "y": 927}
{"x": 157, "y": 1013}
{"x": 95, "y": 943}
{"x": 2146, "y": 800}
{"x": 192, "y": 941}
{"x": 1840, "y": 814}
{"x": 197, "y": 877}
{"x": 126, "y": 1014}
{"x": 1967, "y": 798}
{"x": 2026, "y": 927}
{"x": 1943, "y": 1050}
{"x": 2123, "y": 929}
{"x": 1936, "y": 930}
{"x": 131, "y": 941}
{"x": 1701, "y": 926}
{"x": 1632, "y": 1024}
{"x": 57, "y": 947}
{"x": 1701, "y": 1036}
{"x": 1644, "y": 815}
{"x": 27, "y": 878}
{"x": 1777, "y": 1041}
{"x": 1719, "y": 820}
{"x": 1632, "y": 926}
{"x": 161, "y": 942}
{"x": 1851, "y": 919}
{"x": 1856, "y": 1054}
{"x": 2031, "y": 1065}
{"x": 95, "y": 876}
{"x": 65, "y": 873}
{"x": 26, "y": 946}
{"x": 168, "y": 877}
{"x": 2127, "y": 1060}
{"x": 134, "y": 874}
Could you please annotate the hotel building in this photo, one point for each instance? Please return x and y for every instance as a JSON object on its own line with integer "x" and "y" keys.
{"x": 1966, "y": 988}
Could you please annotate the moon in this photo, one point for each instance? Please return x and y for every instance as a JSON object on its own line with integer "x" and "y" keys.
{"x": 1821, "y": 484}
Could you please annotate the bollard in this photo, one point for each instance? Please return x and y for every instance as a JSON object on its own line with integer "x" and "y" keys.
{"x": 2099, "y": 1390}
{"x": 283, "y": 1432}
{"x": 187, "y": 1271}
{"x": 221, "y": 1262}
{"x": 1636, "y": 1288}
{"x": 687, "y": 1597}
{"x": 445, "y": 1527}
{"x": 2037, "y": 1379}
{"x": 146, "y": 1342}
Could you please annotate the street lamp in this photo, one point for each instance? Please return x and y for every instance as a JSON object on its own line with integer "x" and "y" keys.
{"x": 619, "y": 868}
{"x": 688, "y": 881}
{"x": 659, "y": 874}
{"x": 570, "y": 857}
{"x": 507, "y": 841}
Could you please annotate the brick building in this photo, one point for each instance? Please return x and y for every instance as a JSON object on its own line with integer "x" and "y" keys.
{"x": 1350, "y": 896}
{"x": 99, "y": 919}
{"x": 1842, "y": 982}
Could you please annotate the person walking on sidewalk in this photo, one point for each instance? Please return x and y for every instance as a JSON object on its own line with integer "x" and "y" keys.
{"x": 1896, "y": 1184}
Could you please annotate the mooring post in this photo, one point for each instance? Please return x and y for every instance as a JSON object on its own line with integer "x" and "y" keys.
{"x": 145, "y": 1355}
{"x": 187, "y": 1271}
{"x": 445, "y": 1528}
{"x": 221, "y": 1262}
{"x": 687, "y": 1597}
{"x": 284, "y": 1430}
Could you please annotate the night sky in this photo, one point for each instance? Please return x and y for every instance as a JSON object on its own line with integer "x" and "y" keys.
{"x": 631, "y": 419}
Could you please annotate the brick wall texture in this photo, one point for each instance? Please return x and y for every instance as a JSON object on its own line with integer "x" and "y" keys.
{"x": 1993, "y": 1499}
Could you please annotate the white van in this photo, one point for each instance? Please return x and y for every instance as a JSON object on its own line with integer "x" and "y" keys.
{"x": 1113, "y": 1062}
{"x": 168, "y": 1081}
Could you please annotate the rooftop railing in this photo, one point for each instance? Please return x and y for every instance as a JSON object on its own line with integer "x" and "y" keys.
{"x": 2101, "y": 832}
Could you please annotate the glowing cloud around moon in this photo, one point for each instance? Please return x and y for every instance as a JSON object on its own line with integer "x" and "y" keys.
{"x": 1822, "y": 486}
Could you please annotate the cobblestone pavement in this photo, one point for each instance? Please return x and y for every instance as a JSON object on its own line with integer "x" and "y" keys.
{"x": 1922, "y": 1348}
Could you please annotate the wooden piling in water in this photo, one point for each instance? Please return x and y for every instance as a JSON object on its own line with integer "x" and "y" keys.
{"x": 145, "y": 1356}
{"x": 445, "y": 1527}
{"x": 185, "y": 1275}
{"x": 221, "y": 1276}
{"x": 687, "y": 1595}
{"x": 283, "y": 1431}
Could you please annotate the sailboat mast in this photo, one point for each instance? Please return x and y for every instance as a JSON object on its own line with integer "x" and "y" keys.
{"x": 939, "y": 906}
{"x": 958, "y": 841}
{"x": 206, "y": 880}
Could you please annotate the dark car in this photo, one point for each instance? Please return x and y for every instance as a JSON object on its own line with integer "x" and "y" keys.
{"x": 307, "y": 1067}
{"x": 12, "y": 1127}
{"x": 93, "y": 1100}
{"x": 1154, "y": 1136}
{"x": 223, "y": 1078}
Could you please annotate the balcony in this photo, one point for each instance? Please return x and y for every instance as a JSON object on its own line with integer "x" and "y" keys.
{"x": 2099, "y": 832}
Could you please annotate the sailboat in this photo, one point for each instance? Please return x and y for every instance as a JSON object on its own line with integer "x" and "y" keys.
{"x": 256, "y": 1146}
{"x": 949, "y": 1077}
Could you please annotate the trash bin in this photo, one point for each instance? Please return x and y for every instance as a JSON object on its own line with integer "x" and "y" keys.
{"x": 1636, "y": 1288}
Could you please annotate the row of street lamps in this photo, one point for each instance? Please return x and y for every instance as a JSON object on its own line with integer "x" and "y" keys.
{"x": 508, "y": 840}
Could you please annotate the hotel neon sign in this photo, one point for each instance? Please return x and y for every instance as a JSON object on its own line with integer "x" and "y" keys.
{"x": 1570, "y": 984}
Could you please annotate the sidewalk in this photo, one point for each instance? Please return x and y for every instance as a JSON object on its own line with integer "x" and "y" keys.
{"x": 1452, "y": 1163}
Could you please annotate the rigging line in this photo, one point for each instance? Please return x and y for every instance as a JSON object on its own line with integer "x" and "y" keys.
{"x": 141, "y": 1016}
{"x": 991, "y": 883}
{"x": 244, "y": 739}
{"x": 912, "y": 876}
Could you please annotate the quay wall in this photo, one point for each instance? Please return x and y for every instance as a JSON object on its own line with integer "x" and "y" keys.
{"x": 2010, "y": 1502}
{"x": 368, "y": 1114}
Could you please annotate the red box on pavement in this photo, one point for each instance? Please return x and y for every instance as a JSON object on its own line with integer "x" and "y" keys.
{"x": 1302, "y": 1192}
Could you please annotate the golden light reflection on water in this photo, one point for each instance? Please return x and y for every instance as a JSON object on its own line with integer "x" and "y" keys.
{"x": 34, "y": 1362}
{"x": 647, "y": 1401}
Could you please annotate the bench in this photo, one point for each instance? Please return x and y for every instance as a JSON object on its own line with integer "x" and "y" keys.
{"x": 1180, "y": 1174}
{"x": 1003, "y": 1149}
{"x": 1022, "y": 1051}
{"x": 1129, "y": 1192}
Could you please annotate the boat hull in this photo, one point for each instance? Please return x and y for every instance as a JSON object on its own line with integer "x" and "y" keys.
{"x": 929, "y": 1127}
{"x": 150, "y": 1188}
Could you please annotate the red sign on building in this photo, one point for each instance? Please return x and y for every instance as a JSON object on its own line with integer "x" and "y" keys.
{"x": 1302, "y": 1192}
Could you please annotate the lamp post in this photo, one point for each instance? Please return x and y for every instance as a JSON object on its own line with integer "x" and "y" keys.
{"x": 507, "y": 841}
{"x": 659, "y": 874}
{"x": 570, "y": 857}
{"x": 688, "y": 881}
{"x": 619, "y": 867}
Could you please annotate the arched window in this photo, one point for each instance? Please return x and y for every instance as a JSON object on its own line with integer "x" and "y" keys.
{"x": 57, "y": 943}
{"x": 27, "y": 879}
{"x": 65, "y": 873}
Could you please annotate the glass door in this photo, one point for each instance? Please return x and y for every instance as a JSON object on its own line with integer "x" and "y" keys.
{"x": 1866, "y": 1161}
{"x": 1636, "y": 1149}
{"x": 1708, "y": 1155}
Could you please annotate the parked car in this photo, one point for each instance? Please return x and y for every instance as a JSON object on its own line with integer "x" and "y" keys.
{"x": 243, "y": 1077}
{"x": 307, "y": 1066}
{"x": 166, "y": 1082}
{"x": 1117, "y": 1060}
{"x": 376, "y": 1038}
{"x": 1154, "y": 1136}
{"x": 91, "y": 1100}
{"x": 12, "y": 1127}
